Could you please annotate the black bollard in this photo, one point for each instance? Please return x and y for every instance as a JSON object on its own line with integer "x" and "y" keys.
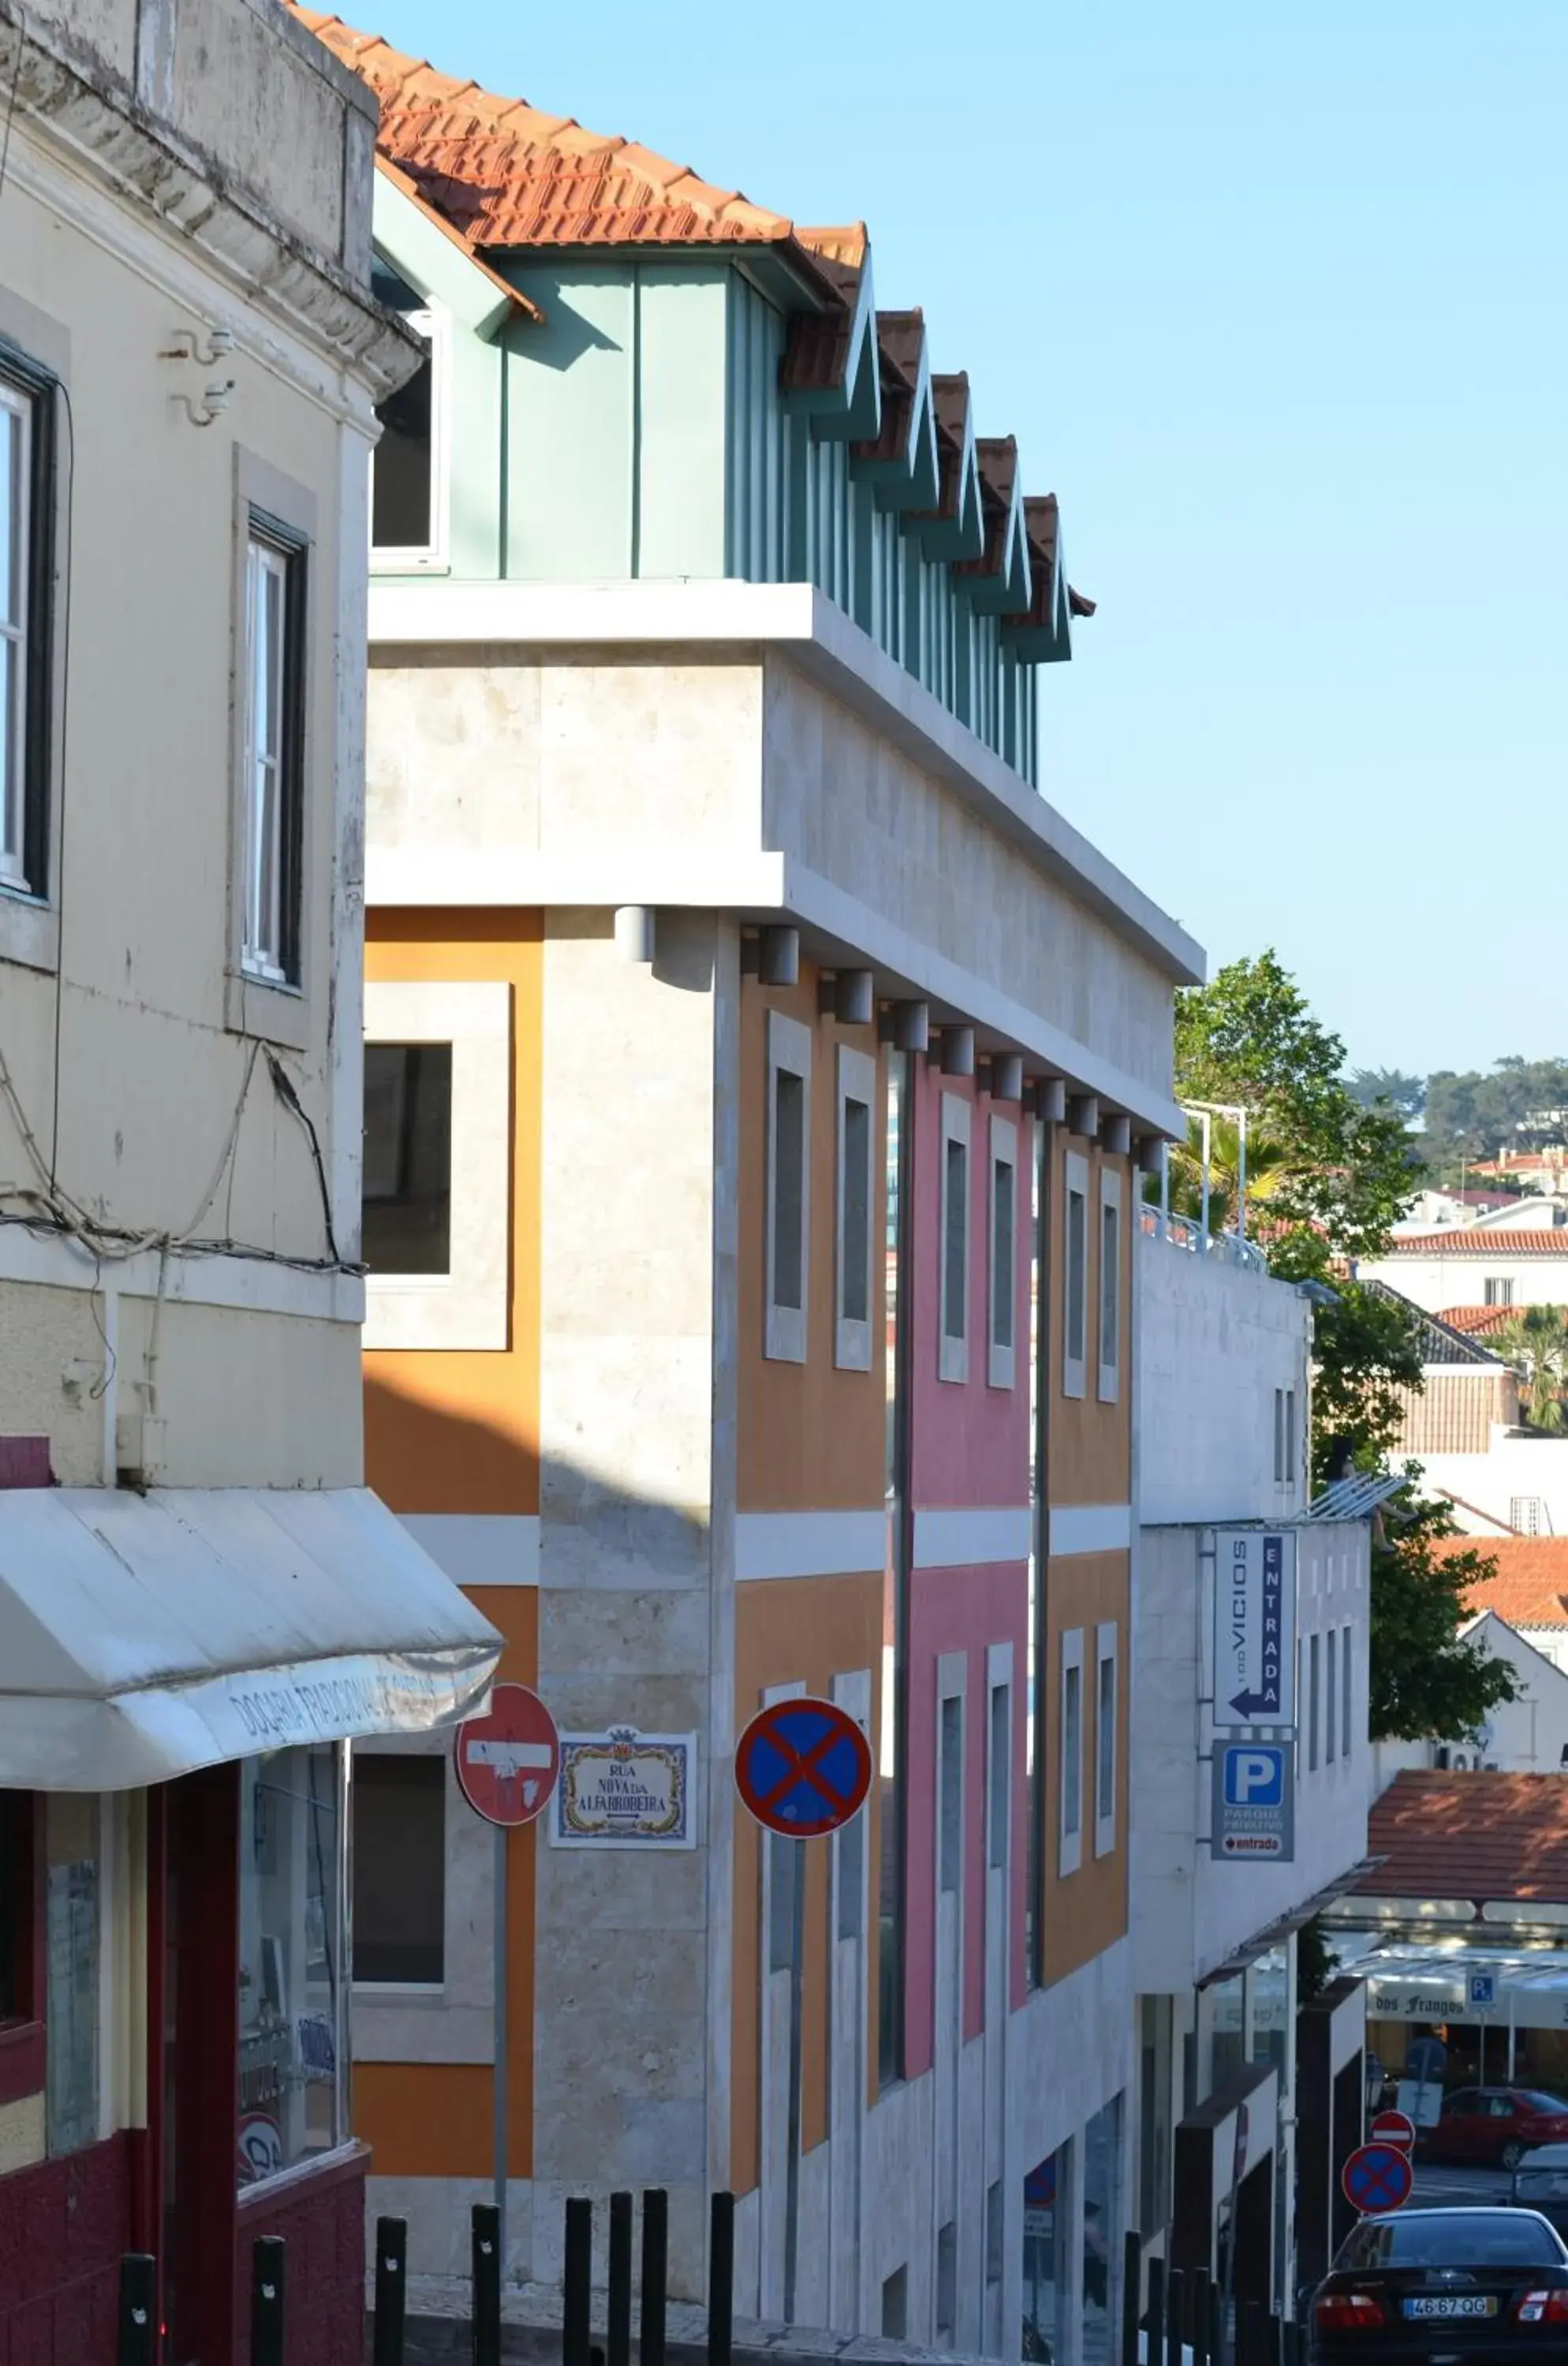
{"x": 721, "y": 2279}
{"x": 1202, "y": 2325}
{"x": 487, "y": 2284}
{"x": 655, "y": 2274}
{"x": 1153, "y": 2317}
{"x": 577, "y": 2283}
{"x": 1175, "y": 2315}
{"x": 268, "y": 2301}
{"x": 1132, "y": 2296}
{"x": 1217, "y": 2326}
{"x": 392, "y": 2290}
{"x": 137, "y": 2327}
{"x": 618, "y": 2321}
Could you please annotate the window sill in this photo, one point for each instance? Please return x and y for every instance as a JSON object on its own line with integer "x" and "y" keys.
{"x": 344, "y": 2163}
{"x": 30, "y": 930}
{"x": 408, "y": 562}
{"x": 276, "y": 1014}
{"x": 22, "y": 2060}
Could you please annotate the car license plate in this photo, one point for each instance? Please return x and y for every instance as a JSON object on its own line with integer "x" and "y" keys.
{"x": 1453, "y": 2305}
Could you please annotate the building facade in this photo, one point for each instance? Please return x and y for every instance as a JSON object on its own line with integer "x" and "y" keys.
{"x": 757, "y": 1073}
{"x": 1239, "y": 2126}
{"x": 199, "y": 1602}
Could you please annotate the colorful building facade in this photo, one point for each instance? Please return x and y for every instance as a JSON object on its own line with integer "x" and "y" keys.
{"x": 758, "y": 1074}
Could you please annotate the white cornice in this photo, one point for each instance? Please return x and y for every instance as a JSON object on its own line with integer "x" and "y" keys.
{"x": 801, "y": 624}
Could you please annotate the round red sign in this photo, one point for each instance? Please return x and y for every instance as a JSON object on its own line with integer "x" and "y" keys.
{"x": 1396, "y": 2128}
{"x": 509, "y": 1760}
{"x": 803, "y": 1767}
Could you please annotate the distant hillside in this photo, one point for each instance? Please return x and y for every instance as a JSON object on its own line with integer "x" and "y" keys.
{"x": 1469, "y": 1114}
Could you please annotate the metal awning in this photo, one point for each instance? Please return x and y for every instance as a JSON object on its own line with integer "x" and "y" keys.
{"x": 144, "y": 1636}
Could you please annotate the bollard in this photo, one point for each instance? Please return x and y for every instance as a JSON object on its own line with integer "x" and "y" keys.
{"x": 1216, "y": 2323}
{"x": 392, "y": 2290}
{"x": 1132, "y": 2296}
{"x": 655, "y": 2270}
{"x": 577, "y": 2284}
{"x": 721, "y": 2279}
{"x": 1276, "y": 2351}
{"x": 1174, "y": 2314}
{"x": 137, "y": 2325}
{"x": 618, "y": 2319}
{"x": 268, "y": 2300}
{"x": 487, "y": 2284}
{"x": 1252, "y": 2339}
{"x": 1202, "y": 2319}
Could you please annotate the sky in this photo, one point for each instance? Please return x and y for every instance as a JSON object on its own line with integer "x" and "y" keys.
{"x": 1272, "y": 294}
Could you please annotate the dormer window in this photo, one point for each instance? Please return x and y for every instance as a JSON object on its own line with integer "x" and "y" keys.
{"x": 406, "y": 481}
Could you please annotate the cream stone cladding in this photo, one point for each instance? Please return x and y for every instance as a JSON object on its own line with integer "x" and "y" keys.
{"x": 637, "y": 1507}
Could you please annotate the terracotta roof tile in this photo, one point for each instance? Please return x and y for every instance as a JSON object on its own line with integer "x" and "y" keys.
{"x": 1478, "y": 1322}
{"x": 899, "y": 337}
{"x": 1531, "y": 1587}
{"x": 1476, "y": 1836}
{"x": 1483, "y": 1241}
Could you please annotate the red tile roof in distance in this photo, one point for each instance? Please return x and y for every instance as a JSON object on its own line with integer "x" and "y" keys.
{"x": 1531, "y": 1584}
{"x": 1476, "y": 1836}
{"x": 1484, "y": 1241}
{"x": 1478, "y": 1322}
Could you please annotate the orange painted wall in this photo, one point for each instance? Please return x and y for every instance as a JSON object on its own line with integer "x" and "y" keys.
{"x": 810, "y": 1437}
{"x": 1084, "y": 1912}
{"x": 797, "y": 1630}
{"x": 1090, "y": 1444}
{"x": 460, "y": 1432}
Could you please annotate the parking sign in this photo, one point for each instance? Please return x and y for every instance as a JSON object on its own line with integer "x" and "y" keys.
{"x": 1254, "y": 1802}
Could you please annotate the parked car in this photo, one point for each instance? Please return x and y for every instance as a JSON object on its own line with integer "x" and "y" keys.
{"x": 1497, "y": 2124}
{"x": 1479, "y": 2287}
{"x": 1541, "y": 2182}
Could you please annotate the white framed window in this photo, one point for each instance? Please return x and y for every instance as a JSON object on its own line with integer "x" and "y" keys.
{"x": 1105, "y": 1737}
{"x": 1000, "y": 1357}
{"x": 1279, "y": 1436}
{"x": 409, "y": 468}
{"x": 21, "y": 722}
{"x": 953, "y": 1349}
{"x": 437, "y": 1167}
{"x": 1108, "y": 1382}
{"x": 1346, "y": 1720}
{"x": 853, "y": 1294}
{"x": 1070, "y": 1832}
{"x": 1075, "y": 1245}
{"x": 273, "y": 777}
{"x": 1290, "y": 1437}
{"x": 1314, "y": 1695}
{"x": 787, "y": 1214}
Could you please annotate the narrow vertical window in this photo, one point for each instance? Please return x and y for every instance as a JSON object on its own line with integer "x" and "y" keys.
{"x": 788, "y": 1211}
{"x": 1105, "y": 1738}
{"x": 1075, "y": 1357}
{"x": 1000, "y": 1360}
{"x": 1347, "y": 1722}
{"x": 1109, "y": 1382}
{"x": 1290, "y": 1437}
{"x": 1000, "y": 1774}
{"x": 1313, "y": 1673}
{"x": 1279, "y": 1436}
{"x": 950, "y": 1837}
{"x": 1071, "y": 1855}
{"x": 26, "y": 490}
{"x": 1331, "y": 1699}
{"x": 405, "y": 469}
{"x": 953, "y": 1346}
{"x": 273, "y": 751}
{"x": 856, "y": 1197}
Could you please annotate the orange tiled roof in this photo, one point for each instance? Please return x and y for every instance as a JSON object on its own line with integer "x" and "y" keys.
{"x": 1530, "y": 1587}
{"x": 1476, "y": 1836}
{"x": 505, "y": 173}
{"x": 1478, "y": 1322}
{"x": 1483, "y": 1240}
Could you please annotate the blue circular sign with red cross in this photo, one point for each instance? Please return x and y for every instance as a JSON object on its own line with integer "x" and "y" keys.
{"x": 803, "y": 1767}
{"x": 1378, "y": 2177}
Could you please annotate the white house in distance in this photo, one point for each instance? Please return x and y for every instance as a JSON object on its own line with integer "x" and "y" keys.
{"x": 1515, "y": 1254}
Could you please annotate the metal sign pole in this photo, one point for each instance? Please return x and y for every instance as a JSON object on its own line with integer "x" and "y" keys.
{"x": 500, "y": 2043}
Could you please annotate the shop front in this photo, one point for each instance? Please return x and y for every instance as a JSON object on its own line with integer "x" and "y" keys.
{"x": 184, "y": 1675}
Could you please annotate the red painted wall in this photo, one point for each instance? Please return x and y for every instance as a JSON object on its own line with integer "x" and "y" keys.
{"x": 322, "y": 2220}
{"x": 63, "y": 2227}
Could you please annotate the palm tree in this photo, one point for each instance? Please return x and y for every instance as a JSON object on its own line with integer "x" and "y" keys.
{"x": 1535, "y": 1341}
{"x": 1267, "y": 1163}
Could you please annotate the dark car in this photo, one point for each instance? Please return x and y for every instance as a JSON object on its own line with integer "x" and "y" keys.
{"x": 1497, "y": 2124}
{"x": 1444, "y": 2288}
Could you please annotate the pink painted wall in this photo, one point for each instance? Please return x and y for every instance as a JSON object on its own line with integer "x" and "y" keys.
{"x": 961, "y": 1610}
{"x": 971, "y": 1441}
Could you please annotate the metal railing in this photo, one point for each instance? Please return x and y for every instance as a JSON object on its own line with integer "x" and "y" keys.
{"x": 1187, "y": 1233}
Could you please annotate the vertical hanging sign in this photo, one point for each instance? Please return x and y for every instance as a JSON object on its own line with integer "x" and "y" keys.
{"x": 1254, "y": 1627}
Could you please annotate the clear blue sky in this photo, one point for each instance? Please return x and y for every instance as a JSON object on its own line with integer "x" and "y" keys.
{"x": 1272, "y": 294}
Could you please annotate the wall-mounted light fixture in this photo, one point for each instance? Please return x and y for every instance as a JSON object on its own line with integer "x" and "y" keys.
{"x": 187, "y": 345}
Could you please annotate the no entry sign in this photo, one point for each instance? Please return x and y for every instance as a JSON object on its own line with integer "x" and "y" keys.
{"x": 1396, "y": 2128}
{"x": 803, "y": 1767}
{"x": 1378, "y": 2177}
{"x": 508, "y": 1761}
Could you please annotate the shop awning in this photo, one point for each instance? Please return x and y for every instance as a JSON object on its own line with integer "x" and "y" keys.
{"x": 144, "y": 1636}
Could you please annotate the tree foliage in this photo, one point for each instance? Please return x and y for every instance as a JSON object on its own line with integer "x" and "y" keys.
{"x": 1404, "y": 1094}
{"x": 1519, "y": 1105}
{"x": 1339, "y": 1172}
{"x": 1535, "y": 1340}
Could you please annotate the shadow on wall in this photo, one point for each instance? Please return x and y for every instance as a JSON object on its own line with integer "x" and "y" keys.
{"x": 422, "y": 1457}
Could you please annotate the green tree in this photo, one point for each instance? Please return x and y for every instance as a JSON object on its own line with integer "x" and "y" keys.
{"x": 1340, "y": 1175}
{"x": 1535, "y": 1340}
{"x": 1405, "y": 1094}
{"x": 1427, "y": 1681}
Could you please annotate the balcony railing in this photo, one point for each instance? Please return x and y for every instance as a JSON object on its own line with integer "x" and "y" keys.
{"x": 1186, "y": 1233}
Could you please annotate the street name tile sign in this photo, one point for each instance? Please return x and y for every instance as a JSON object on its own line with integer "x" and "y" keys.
{"x": 508, "y": 1761}
{"x": 1253, "y": 1812}
{"x": 1254, "y": 1627}
{"x": 1377, "y": 2177}
{"x": 803, "y": 1767}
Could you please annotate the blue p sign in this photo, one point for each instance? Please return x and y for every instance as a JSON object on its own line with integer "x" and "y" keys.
{"x": 1255, "y": 1776}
